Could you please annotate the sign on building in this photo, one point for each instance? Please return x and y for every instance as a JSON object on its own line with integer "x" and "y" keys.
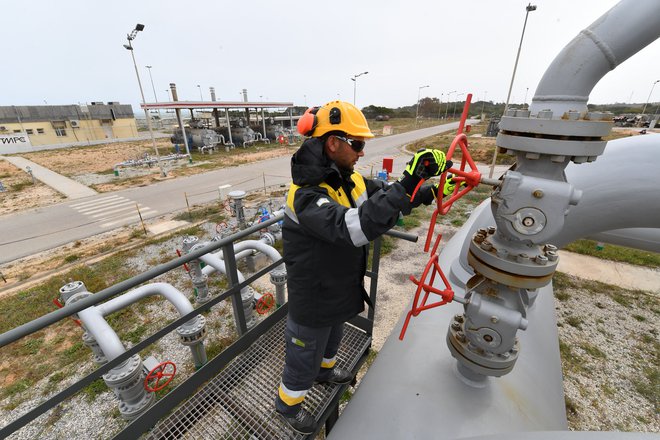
{"x": 14, "y": 143}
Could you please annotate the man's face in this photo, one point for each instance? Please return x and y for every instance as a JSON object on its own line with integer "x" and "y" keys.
{"x": 340, "y": 151}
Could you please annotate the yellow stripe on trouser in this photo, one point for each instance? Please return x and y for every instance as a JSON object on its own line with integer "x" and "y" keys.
{"x": 291, "y": 397}
{"x": 328, "y": 363}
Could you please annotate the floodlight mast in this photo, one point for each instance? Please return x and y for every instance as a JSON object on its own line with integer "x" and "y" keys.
{"x": 130, "y": 37}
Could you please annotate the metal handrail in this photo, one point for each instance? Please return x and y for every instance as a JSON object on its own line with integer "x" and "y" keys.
{"x": 53, "y": 317}
{"x": 234, "y": 290}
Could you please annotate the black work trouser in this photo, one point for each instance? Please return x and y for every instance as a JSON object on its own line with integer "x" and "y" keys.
{"x": 310, "y": 356}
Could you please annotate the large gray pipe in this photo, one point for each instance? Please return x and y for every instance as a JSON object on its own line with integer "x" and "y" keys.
{"x": 620, "y": 190}
{"x": 621, "y": 32}
{"x": 412, "y": 390}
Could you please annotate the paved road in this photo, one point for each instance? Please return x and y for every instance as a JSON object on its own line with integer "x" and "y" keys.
{"x": 32, "y": 231}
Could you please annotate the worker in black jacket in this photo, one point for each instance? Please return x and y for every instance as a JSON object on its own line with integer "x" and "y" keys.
{"x": 332, "y": 213}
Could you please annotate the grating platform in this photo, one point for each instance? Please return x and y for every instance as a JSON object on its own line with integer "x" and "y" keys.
{"x": 239, "y": 402}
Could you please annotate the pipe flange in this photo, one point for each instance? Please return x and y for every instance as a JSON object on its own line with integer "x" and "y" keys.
{"x": 595, "y": 124}
{"x": 267, "y": 238}
{"x": 193, "y": 331}
{"x": 278, "y": 276}
{"x": 189, "y": 242}
{"x": 575, "y": 149}
{"x": 507, "y": 278}
{"x": 478, "y": 360}
{"x": 70, "y": 289}
{"x": 124, "y": 373}
{"x": 526, "y": 264}
{"x": 133, "y": 411}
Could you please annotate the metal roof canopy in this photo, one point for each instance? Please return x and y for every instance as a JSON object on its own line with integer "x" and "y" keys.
{"x": 192, "y": 105}
{"x": 187, "y": 105}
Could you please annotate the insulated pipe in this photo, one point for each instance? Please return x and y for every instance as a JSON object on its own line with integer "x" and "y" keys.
{"x": 620, "y": 33}
{"x": 419, "y": 374}
{"x": 616, "y": 197}
{"x": 216, "y": 264}
{"x": 247, "y": 294}
{"x": 169, "y": 292}
{"x": 646, "y": 239}
{"x": 96, "y": 325}
{"x": 192, "y": 333}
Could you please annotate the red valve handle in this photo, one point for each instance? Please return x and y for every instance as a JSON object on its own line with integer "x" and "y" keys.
{"x": 60, "y": 305}
{"x": 446, "y": 294}
{"x": 152, "y": 382}
{"x": 185, "y": 266}
{"x": 265, "y": 303}
{"x": 471, "y": 177}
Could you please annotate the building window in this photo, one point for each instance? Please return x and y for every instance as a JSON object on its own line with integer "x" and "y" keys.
{"x": 40, "y": 131}
{"x": 59, "y": 132}
{"x": 29, "y": 131}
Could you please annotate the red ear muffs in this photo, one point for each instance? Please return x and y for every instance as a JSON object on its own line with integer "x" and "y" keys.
{"x": 307, "y": 122}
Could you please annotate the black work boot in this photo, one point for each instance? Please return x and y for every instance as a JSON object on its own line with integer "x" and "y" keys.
{"x": 337, "y": 375}
{"x": 302, "y": 422}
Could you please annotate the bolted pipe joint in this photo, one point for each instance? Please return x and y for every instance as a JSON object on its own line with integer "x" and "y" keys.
{"x": 71, "y": 293}
{"x": 236, "y": 198}
{"x": 483, "y": 340}
{"x": 199, "y": 279}
{"x": 247, "y": 298}
{"x": 278, "y": 279}
{"x": 97, "y": 354}
{"x": 192, "y": 334}
{"x": 127, "y": 382}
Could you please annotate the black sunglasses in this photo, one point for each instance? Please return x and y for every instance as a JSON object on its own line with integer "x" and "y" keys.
{"x": 356, "y": 145}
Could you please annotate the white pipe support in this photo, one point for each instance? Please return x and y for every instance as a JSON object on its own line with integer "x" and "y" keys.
{"x": 617, "y": 35}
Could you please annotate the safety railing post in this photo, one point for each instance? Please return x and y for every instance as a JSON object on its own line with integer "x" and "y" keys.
{"x": 232, "y": 277}
{"x": 373, "y": 280}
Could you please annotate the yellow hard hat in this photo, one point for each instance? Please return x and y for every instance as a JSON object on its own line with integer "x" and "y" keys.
{"x": 334, "y": 116}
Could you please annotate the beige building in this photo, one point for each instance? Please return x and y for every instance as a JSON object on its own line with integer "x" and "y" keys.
{"x": 39, "y": 125}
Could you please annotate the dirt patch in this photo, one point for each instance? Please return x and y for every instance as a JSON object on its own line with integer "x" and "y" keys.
{"x": 94, "y": 159}
{"x": 21, "y": 193}
{"x": 94, "y": 166}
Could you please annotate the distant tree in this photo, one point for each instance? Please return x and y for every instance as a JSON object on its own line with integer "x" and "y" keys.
{"x": 371, "y": 111}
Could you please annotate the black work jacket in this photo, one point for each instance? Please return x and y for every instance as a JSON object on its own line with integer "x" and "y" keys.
{"x": 330, "y": 218}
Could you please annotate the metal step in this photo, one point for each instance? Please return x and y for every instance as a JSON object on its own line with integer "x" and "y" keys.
{"x": 239, "y": 402}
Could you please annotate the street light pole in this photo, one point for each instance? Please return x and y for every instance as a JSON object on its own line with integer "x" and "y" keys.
{"x": 419, "y": 89}
{"x": 482, "y": 104}
{"x": 525, "y": 102}
{"x": 448, "y": 96}
{"x": 354, "y": 79}
{"x": 130, "y": 37}
{"x": 650, "y": 93}
{"x": 201, "y": 97}
{"x": 440, "y": 104}
{"x": 529, "y": 8}
{"x": 453, "y": 110}
{"x": 155, "y": 97}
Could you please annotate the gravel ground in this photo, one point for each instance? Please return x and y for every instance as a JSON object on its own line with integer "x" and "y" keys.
{"x": 610, "y": 348}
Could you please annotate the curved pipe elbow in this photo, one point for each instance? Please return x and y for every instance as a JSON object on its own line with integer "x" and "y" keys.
{"x": 617, "y": 35}
{"x": 169, "y": 292}
{"x": 104, "y": 335}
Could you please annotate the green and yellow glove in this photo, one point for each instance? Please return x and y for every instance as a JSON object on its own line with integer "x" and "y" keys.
{"x": 426, "y": 163}
{"x": 450, "y": 185}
